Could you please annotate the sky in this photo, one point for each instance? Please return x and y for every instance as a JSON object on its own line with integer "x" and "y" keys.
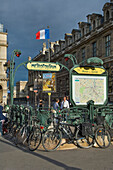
{"x": 24, "y": 18}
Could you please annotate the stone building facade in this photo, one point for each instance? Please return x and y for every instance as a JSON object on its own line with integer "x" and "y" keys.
{"x": 21, "y": 89}
{"x": 3, "y": 60}
{"x": 94, "y": 38}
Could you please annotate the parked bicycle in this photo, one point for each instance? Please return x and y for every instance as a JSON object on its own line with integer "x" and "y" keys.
{"x": 29, "y": 134}
{"x": 84, "y": 135}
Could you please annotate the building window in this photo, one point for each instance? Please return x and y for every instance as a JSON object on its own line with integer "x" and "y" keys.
{"x": 97, "y": 22}
{"x": 94, "y": 24}
{"x": 83, "y": 54}
{"x": 107, "y": 46}
{"x": 83, "y": 32}
{"x": 107, "y": 15}
{"x": 94, "y": 49}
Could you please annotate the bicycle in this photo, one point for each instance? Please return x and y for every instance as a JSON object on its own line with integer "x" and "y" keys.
{"x": 53, "y": 136}
{"x": 83, "y": 134}
{"x": 29, "y": 134}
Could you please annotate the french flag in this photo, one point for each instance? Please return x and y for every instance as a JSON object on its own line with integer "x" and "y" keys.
{"x": 43, "y": 34}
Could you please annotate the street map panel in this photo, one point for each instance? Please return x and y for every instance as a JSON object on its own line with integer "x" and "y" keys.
{"x": 85, "y": 88}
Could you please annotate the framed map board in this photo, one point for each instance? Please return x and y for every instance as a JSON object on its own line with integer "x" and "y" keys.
{"x": 85, "y": 88}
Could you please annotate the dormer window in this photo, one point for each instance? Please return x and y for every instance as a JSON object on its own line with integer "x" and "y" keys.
{"x": 97, "y": 22}
{"x": 108, "y": 9}
{"x": 107, "y": 15}
{"x": 83, "y": 32}
{"x": 94, "y": 24}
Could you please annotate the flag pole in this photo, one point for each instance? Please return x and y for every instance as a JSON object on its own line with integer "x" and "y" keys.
{"x": 48, "y": 46}
{"x": 49, "y": 94}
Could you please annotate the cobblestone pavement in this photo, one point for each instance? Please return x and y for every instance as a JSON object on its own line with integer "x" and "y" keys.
{"x": 19, "y": 158}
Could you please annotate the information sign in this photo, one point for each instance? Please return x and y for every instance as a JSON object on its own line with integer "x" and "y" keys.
{"x": 43, "y": 66}
{"x": 85, "y": 88}
{"x": 89, "y": 70}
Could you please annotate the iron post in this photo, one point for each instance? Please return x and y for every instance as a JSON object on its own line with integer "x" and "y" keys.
{"x": 14, "y": 53}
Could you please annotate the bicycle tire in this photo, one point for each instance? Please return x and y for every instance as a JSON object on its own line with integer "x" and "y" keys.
{"x": 84, "y": 141}
{"x": 52, "y": 139}
{"x": 102, "y": 137}
{"x": 12, "y": 132}
{"x": 18, "y": 135}
{"x": 35, "y": 139}
{"x": 16, "y": 141}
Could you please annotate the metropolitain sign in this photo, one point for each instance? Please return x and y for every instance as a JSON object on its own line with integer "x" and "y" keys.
{"x": 43, "y": 66}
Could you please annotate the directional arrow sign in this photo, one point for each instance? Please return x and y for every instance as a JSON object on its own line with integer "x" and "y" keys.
{"x": 43, "y": 66}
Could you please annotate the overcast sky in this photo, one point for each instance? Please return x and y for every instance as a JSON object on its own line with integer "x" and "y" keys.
{"x": 24, "y": 18}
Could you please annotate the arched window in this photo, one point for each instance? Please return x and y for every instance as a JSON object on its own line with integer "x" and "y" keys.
{"x": 1, "y": 94}
{"x": 107, "y": 15}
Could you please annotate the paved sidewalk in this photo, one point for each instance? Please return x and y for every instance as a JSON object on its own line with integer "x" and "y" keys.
{"x": 64, "y": 145}
{"x": 67, "y": 146}
{"x": 20, "y": 158}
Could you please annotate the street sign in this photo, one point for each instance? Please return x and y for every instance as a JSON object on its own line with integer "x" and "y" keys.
{"x": 89, "y": 70}
{"x": 43, "y": 66}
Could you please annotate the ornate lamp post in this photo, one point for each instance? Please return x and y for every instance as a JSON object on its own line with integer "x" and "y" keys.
{"x": 14, "y": 53}
{"x": 71, "y": 57}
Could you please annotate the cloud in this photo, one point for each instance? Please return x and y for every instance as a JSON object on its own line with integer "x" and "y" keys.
{"x": 24, "y": 18}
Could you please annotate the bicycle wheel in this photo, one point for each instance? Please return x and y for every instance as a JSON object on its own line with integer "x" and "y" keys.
{"x": 102, "y": 137}
{"x": 16, "y": 138}
{"x": 34, "y": 139}
{"x": 12, "y": 131}
{"x": 18, "y": 135}
{"x": 52, "y": 139}
{"x": 84, "y": 141}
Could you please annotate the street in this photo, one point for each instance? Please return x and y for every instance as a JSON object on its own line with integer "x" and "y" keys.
{"x": 20, "y": 158}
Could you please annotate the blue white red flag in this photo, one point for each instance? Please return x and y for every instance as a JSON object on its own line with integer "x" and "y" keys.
{"x": 43, "y": 34}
